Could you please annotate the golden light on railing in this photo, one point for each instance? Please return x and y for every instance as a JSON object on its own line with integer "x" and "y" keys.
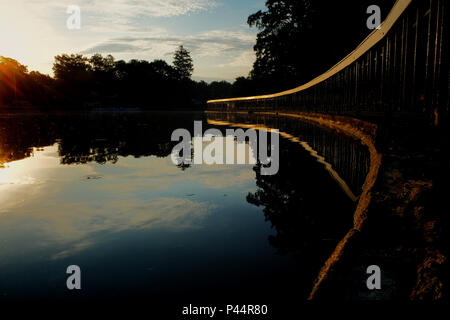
{"x": 372, "y": 39}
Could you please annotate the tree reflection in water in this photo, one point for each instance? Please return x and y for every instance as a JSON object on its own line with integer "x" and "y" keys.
{"x": 307, "y": 208}
{"x": 97, "y": 137}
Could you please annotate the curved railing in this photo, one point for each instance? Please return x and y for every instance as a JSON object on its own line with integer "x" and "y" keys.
{"x": 402, "y": 67}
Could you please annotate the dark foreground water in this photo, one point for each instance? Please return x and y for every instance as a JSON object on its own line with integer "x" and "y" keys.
{"x": 100, "y": 191}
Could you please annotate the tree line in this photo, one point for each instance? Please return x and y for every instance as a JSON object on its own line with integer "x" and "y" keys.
{"x": 82, "y": 82}
{"x": 296, "y": 41}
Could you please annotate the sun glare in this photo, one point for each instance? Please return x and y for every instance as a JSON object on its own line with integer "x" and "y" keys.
{"x": 14, "y": 42}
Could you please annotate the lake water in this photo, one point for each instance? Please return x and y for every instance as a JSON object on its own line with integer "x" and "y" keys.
{"x": 100, "y": 191}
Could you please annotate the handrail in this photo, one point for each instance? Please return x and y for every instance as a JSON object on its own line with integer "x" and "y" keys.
{"x": 372, "y": 39}
{"x": 400, "y": 69}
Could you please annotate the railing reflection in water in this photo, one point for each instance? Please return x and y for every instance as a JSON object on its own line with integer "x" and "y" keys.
{"x": 347, "y": 157}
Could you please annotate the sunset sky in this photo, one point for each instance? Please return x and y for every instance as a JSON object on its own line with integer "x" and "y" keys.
{"x": 215, "y": 31}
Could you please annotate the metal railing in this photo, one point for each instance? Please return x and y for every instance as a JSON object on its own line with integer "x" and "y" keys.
{"x": 400, "y": 68}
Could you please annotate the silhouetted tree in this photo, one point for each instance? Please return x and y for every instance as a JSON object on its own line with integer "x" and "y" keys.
{"x": 20, "y": 88}
{"x": 71, "y": 67}
{"x": 220, "y": 89}
{"x": 102, "y": 64}
{"x": 82, "y": 82}
{"x": 182, "y": 62}
{"x": 243, "y": 86}
{"x": 300, "y": 39}
{"x": 163, "y": 69}
{"x": 74, "y": 75}
{"x": 11, "y": 75}
{"x": 280, "y": 42}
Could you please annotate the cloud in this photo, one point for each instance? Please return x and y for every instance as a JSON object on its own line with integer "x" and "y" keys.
{"x": 111, "y": 48}
{"x": 78, "y": 230}
{"x": 127, "y": 9}
{"x": 133, "y": 194}
{"x": 231, "y": 45}
{"x": 105, "y": 16}
{"x": 244, "y": 59}
{"x": 153, "y": 8}
{"x": 222, "y": 54}
{"x": 228, "y": 39}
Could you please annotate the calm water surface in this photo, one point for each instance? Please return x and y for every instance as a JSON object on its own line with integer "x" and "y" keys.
{"x": 100, "y": 191}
